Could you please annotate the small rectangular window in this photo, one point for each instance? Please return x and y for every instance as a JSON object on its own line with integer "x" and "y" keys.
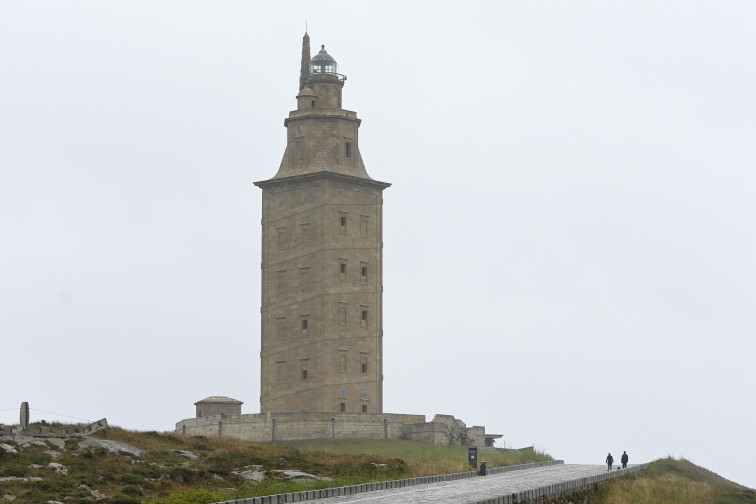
{"x": 342, "y": 407}
{"x": 364, "y": 318}
{"x": 312, "y": 104}
{"x": 300, "y": 149}
{"x": 342, "y": 270}
{"x": 364, "y": 394}
{"x": 304, "y": 274}
{"x": 342, "y": 223}
{"x": 364, "y": 408}
{"x": 342, "y": 391}
{"x": 363, "y": 272}
{"x": 348, "y": 149}
{"x": 304, "y": 374}
{"x": 304, "y": 324}
{"x": 343, "y": 313}
{"x": 342, "y": 363}
{"x": 364, "y": 366}
{"x": 363, "y": 226}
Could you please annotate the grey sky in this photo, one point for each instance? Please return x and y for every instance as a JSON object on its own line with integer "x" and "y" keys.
{"x": 569, "y": 238}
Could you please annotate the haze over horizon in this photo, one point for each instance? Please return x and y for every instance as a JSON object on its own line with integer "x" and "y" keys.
{"x": 569, "y": 238}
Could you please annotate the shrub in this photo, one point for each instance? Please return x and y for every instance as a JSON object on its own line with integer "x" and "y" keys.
{"x": 192, "y": 497}
{"x": 132, "y": 479}
{"x": 5, "y": 455}
{"x": 149, "y": 471}
{"x": 13, "y": 471}
{"x": 161, "y": 436}
{"x": 124, "y": 499}
{"x": 131, "y": 490}
{"x": 183, "y": 475}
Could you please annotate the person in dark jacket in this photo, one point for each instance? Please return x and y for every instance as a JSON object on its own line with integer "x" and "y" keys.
{"x": 609, "y": 462}
{"x": 624, "y": 460}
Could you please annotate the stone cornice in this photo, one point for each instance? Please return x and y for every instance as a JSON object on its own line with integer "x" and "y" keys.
{"x": 264, "y": 184}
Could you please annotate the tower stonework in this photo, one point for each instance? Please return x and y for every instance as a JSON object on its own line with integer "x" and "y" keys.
{"x": 322, "y": 288}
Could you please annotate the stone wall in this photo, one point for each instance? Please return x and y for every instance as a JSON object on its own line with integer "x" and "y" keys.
{"x": 266, "y": 427}
{"x": 61, "y": 431}
{"x": 444, "y": 430}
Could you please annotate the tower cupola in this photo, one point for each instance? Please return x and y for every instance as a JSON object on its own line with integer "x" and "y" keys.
{"x": 323, "y": 63}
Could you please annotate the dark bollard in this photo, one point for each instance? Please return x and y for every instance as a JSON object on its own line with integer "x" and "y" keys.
{"x": 482, "y": 467}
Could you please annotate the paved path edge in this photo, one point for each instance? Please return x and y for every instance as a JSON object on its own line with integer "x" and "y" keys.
{"x": 383, "y": 485}
{"x": 564, "y": 487}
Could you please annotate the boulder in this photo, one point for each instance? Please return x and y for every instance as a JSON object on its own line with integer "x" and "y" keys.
{"x": 256, "y": 474}
{"x": 57, "y": 442}
{"x": 250, "y": 473}
{"x": 294, "y": 474}
{"x": 53, "y": 454}
{"x": 95, "y": 493}
{"x": 24, "y": 441}
{"x": 113, "y": 447}
{"x": 185, "y": 454}
{"x": 59, "y": 468}
{"x": 8, "y": 448}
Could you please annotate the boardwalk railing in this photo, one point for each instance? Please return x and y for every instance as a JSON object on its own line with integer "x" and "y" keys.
{"x": 381, "y": 485}
{"x": 561, "y": 488}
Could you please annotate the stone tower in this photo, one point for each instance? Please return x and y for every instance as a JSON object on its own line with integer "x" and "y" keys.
{"x": 322, "y": 327}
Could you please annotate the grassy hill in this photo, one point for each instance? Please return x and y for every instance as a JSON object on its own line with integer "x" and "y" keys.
{"x": 166, "y": 473}
{"x": 671, "y": 481}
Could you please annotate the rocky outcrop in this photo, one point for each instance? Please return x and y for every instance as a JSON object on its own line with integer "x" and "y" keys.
{"x": 24, "y": 441}
{"x": 8, "y": 448}
{"x": 250, "y": 473}
{"x": 59, "y": 468}
{"x": 185, "y": 454}
{"x": 256, "y": 473}
{"x": 113, "y": 447}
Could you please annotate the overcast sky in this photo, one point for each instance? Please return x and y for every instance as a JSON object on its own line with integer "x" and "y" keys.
{"x": 569, "y": 240}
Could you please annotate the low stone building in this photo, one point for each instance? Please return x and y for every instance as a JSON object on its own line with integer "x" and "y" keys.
{"x": 218, "y": 405}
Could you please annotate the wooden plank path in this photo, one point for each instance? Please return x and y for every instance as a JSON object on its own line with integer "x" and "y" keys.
{"x": 528, "y": 481}
{"x": 474, "y": 490}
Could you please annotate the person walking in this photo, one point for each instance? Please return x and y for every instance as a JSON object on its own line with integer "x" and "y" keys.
{"x": 624, "y": 459}
{"x": 609, "y": 462}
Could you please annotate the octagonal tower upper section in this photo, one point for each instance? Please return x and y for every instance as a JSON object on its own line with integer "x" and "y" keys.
{"x": 321, "y": 135}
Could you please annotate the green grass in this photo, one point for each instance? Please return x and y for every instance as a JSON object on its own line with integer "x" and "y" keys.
{"x": 672, "y": 481}
{"x": 162, "y": 477}
{"x": 422, "y": 459}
